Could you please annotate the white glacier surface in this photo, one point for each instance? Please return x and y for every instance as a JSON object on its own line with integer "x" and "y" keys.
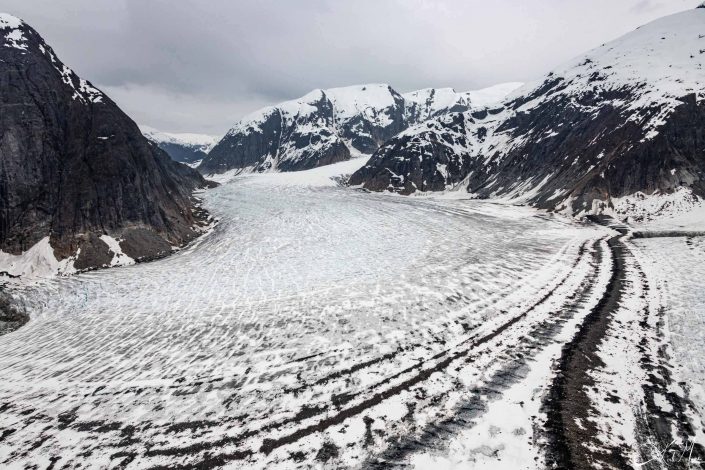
{"x": 302, "y": 323}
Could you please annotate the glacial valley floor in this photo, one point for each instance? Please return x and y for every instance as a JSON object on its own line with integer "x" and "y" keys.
{"x": 322, "y": 326}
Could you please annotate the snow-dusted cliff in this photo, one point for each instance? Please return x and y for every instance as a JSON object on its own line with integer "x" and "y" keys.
{"x": 328, "y": 126}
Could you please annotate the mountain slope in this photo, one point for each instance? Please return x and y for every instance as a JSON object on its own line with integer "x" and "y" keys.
{"x": 434, "y": 102}
{"x": 625, "y": 119}
{"x": 327, "y": 126}
{"x": 182, "y": 147}
{"x": 74, "y": 168}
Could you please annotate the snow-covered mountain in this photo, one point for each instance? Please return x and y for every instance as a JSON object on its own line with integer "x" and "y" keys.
{"x": 79, "y": 184}
{"x": 433, "y": 102}
{"x": 328, "y": 126}
{"x": 621, "y": 123}
{"x": 182, "y": 147}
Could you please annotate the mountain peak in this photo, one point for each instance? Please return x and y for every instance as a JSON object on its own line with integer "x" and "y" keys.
{"x": 56, "y": 128}
{"x": 14, "y": 38}
{"x": 17, "y": 37}
{"x": 9, "y": 21}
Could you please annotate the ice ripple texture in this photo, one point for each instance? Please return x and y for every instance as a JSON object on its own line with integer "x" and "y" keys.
{"x": 678, "y": 265}
{"x": 294, "y": 284}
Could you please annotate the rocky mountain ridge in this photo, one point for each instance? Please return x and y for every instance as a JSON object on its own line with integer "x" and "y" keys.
{"x": 328, "y": 126}
{"x": 623, "y": 122}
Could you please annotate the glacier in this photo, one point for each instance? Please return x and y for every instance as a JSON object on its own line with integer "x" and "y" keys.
{"x": 297, "y": 282}
{"x": 319, "y": 324}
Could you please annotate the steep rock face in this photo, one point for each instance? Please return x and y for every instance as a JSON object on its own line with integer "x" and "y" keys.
{"x": 625, "y": 119}
{"x": 318, "y": 129}
{"x": 73, "y": 165}
{"x": 328, "y": 126}
{"x": 421, "y": 159}
{"x": 181, "y": 147}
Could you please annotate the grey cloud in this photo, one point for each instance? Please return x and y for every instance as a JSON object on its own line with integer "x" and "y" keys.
{"x": 646, "y": 6}
{"x": 198, "y": 66}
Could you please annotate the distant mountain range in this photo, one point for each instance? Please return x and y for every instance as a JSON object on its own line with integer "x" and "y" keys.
{"x": 329, "y": 126}
{"x": 608, "y": 131}
{"x": 181, "y": 147}
{"x": 78, "y": 181}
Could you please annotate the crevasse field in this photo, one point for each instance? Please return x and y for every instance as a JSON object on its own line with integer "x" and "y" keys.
{"x": 315, "y": 325}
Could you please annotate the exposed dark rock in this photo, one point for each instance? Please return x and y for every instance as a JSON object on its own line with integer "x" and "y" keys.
{"x": 248, "y": 147}
{"x": 420, "y": 162}
{"x": 94, "y": 253}
{"x": 12, "y": 314}
{"x": 608, "y": 154}
{"x": 73, "y": 166}
{"x": 327, "y": 452}
{"x": 143, "y": 244}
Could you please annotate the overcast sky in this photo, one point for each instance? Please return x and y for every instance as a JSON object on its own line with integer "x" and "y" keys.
{"x": 198, "y": 66}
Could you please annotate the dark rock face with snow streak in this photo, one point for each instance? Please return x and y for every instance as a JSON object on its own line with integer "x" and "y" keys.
{"x": 625, "y": 119}
{"x": 611, "y": 157}
{"x": 422, "y": 162}
{"x": 321, "y": 128}
{"x": 328, "y": 126}
{"x": 73, "y": 166}
{"x": 295, "y": 136}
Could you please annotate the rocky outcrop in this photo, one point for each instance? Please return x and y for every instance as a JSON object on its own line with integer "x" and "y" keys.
{"x": 13, "y": 315}
{"x": 421, "y": 161}
{"x": 625, "y": 119}
{"x": 328, "y": 126}
{"x": 73, "y": 166}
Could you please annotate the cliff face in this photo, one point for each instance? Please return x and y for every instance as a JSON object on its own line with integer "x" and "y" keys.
{"x": 624, "y": 120}
{"x": 74, "y": 167}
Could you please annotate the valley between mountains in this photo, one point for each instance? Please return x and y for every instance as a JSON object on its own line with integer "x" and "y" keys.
{"x": 507, "y": 278}
{"x": 298, "y": 333}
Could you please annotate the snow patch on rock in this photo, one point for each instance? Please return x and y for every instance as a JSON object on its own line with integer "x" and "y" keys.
{"x": 9, "y": 21}
{"x": 119, "y": 258}
{"x": 37, "y": 262}
{"x": 13, "y": 38}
